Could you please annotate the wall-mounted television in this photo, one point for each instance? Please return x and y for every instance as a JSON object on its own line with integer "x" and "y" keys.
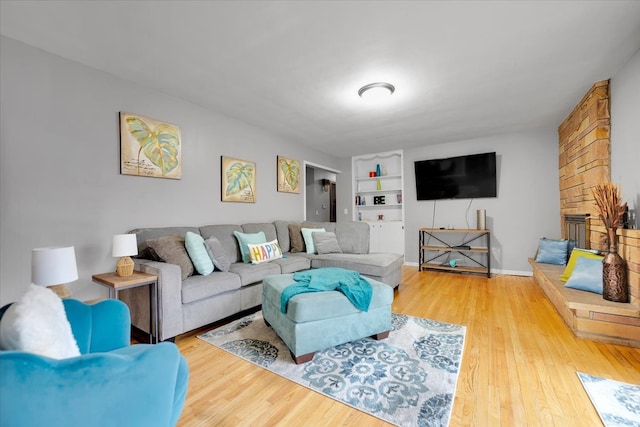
{"x": 463, "y": 177}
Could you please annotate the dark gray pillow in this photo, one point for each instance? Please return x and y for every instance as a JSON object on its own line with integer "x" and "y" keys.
{"x": 216, "y": 253}
{"x": 326, "y": 242}
{"x": 171, "y": 250}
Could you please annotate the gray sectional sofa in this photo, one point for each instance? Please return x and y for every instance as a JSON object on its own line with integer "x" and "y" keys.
{"x": 196, "y": 301}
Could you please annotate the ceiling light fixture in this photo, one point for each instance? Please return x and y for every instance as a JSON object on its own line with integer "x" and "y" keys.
{"x": 376, "y": 90}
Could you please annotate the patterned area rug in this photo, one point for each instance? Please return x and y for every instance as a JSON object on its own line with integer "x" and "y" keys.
{"x": 408, "y": 379}
{"x": 617, "y": 403}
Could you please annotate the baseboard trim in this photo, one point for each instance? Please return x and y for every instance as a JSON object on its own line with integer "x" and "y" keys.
{"x": 493, "y": 271}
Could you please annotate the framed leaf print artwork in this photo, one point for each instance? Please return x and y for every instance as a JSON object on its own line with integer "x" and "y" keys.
{"x": 238, "y": 180}
{"x": 288, "y": 175}
{"x": 149, "y": 147}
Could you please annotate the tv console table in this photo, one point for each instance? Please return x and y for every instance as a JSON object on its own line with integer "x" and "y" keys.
{"x": 441, "y": 248}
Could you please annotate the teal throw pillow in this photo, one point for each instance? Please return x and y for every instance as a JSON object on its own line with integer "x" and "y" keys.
{"x": 552, "y": 251}
{"x": 308, "y": 240}
{"x": 586, "y": 275}
{"x": 245, "y": 238}
{"x": 198, "y": 253}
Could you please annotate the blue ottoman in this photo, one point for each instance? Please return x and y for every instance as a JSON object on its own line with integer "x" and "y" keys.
{"x": 318, "y": 320}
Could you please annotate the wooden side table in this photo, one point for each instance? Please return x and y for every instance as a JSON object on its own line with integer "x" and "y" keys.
{"x": 117, "y": 283}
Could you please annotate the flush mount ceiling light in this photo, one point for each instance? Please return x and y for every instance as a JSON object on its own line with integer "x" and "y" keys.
{"x": 376, "y": 90}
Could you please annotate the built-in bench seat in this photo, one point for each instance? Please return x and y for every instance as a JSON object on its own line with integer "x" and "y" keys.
{"x": 587, "y": 314}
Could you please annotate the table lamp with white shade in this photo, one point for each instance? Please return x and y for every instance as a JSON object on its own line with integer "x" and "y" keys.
{"x": 124, "y": 246}
{"x": 53, "y": 267}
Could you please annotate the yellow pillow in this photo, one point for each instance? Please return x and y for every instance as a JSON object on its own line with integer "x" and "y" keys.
{"x": 575, "y": 254}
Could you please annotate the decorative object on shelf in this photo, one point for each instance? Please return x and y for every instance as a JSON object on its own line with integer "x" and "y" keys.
{"x": 379, "y": 200}
{"x": 288, "y": 175}
{"x": 372, "y": 174}
{"x": 399, "y": 198}
{"x": 614, "y": 270}
{"x": 149, "y": 147}
{"x": 378, "y": 171}
{"x": 53, "y": 267}
{"x": 124, "y": 246}
{"x": 380, "y": 217}
{"x": 384, "y": 170}
{"x": 238, "y": 180}
{"x": 378, "y": 185}
{"x": 481, "y": 219}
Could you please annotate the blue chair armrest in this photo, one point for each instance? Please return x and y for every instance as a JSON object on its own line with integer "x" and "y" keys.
{"x": 99, "y": 327}
{"x": 140, "y": 385}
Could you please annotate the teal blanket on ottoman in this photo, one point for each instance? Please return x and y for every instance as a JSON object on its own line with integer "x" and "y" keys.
{"x": 313, "y": 321}
{"x": 349, "y": 282}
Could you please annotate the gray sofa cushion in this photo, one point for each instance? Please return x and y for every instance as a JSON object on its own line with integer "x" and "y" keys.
{"x": 217, "y": 253}
{"x": 328, "y": 226}
{"x": 253, "y": 273}
{"x": 353, "y": 237}
{"x": 171, "y": 250}
{"x": 224, "y": 233}
{"x": 268, "y": 228}
{"x": 195, "y": 288}
{"x": 377, "y": 265}
{"x": 292, "y": 263}
{"x": 144, "y": 234}
{"x": 282, "y": 231}
{"x": 326, "y": 243}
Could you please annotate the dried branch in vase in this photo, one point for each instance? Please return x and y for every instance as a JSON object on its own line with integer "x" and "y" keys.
{"x": 609, "y": 204}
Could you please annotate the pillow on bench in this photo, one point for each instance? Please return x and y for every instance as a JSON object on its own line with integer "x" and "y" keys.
{"x": 587, "y": 275}
{"x": 575, "y": 254}
{"x": 551, "y": 251}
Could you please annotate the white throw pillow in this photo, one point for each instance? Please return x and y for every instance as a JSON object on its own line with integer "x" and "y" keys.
{"x": 37, "y": 323}
{"x": 264, "y": 252}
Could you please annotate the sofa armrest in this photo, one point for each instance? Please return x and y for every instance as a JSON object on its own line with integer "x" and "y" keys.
{"x": 170, "y": 321}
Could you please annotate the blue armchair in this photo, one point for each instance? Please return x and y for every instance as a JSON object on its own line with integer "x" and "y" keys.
{"x": 111, "y": 383}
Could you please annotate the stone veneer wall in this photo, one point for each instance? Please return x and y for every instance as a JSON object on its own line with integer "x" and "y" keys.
{"x": 585, "y": 161}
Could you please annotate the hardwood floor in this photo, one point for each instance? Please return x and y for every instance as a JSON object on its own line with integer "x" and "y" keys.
{"x": 518, "y": 368}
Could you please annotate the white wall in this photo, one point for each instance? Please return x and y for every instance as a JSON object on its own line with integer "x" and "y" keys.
{"x": 59, "y": 166}
{"x": 625, "y": 131}
{"x": 527, "y": 206}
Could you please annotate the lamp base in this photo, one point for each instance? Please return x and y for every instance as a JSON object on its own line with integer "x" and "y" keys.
{"x": 61, "y": 290}
{"x": 124, "y": 266}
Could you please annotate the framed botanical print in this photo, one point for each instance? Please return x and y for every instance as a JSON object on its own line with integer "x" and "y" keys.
{"x": 238, "y": 180}
{"x": 149, "y": 147}
{"x": 288, "y": 175}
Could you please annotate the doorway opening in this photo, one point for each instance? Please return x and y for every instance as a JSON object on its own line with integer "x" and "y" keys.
{"x": 320, "y": 193}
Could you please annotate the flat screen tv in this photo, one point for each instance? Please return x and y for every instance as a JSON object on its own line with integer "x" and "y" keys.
{"x": 463, "y": 177}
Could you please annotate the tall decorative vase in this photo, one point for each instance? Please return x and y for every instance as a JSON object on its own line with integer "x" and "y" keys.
{"x": 614, "y": 272}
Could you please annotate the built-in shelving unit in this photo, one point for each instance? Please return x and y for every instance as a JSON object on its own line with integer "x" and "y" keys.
{"x": 378, "y": 197}
{"x": 436, "y": 246}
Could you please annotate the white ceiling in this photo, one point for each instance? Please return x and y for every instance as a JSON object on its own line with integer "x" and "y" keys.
{"x": 461, "y": 69}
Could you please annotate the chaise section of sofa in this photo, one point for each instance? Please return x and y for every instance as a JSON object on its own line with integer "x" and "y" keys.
{"x": 196, "y": 301}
